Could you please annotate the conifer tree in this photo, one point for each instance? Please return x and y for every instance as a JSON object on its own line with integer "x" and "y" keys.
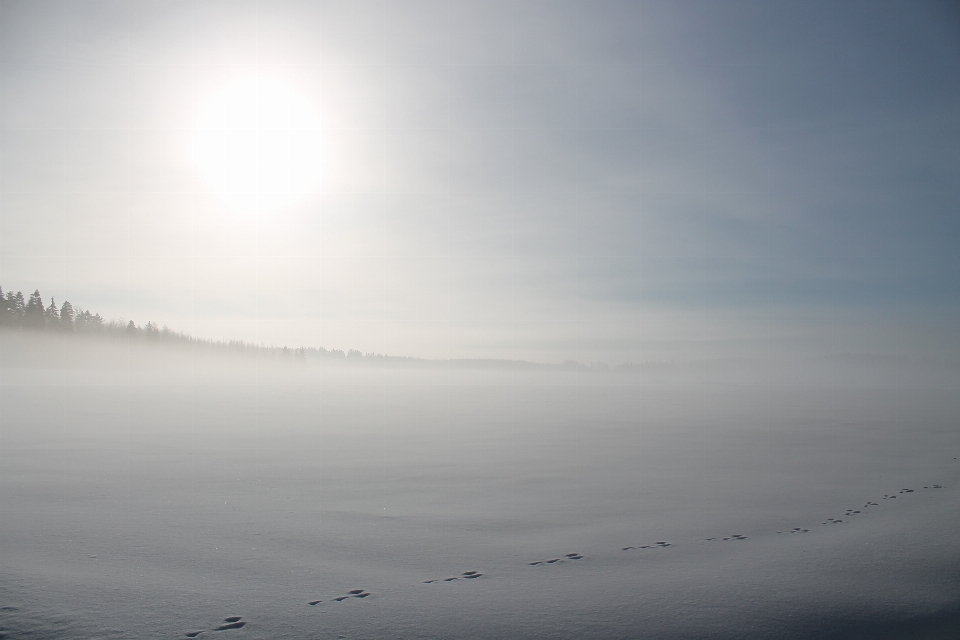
{"x": 86, "y": 321}
{"x": 66, "y": 316}
{"x": 80, "y": 321}
{"x": 14, "y": 308}
{"x": 33, "y": 312}
{"x": 52, "y": 316}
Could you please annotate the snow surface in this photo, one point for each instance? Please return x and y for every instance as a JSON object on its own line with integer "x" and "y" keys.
{"x": 141, "y": 501}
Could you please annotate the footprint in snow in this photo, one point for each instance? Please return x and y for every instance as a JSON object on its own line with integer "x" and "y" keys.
{"x": 353, "y": 593}
{"x": 233, "y": 622}
{"x": 655, "y": 545}
{"x": 230, "y": 622}
{"x": 735, "y": 536}
{"x": 569, "y": 556}
{"x": 466, "y": 575}
{"x": 853, "y": 512}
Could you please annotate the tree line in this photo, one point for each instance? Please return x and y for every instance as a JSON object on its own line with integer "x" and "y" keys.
{"x": 31, "y": 314}
{"x": 18, "y": 312}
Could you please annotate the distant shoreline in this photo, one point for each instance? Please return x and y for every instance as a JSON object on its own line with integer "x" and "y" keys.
{"x": 117, "y": 335}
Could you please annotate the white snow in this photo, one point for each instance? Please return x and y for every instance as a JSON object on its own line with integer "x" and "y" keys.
{"x": 152, "y": 497}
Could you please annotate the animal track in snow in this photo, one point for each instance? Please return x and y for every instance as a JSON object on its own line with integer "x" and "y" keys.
{"x": 466, "y": 575}
{"x": 230, "y": 622}
{"x": 236, "y": 622}
{"x": 353, "y": 593}
{"x": 569, "y": 556}
{"x": 655, "y": 545}
{"x": 850, "y": 513}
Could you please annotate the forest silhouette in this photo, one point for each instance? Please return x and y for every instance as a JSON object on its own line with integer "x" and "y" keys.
{"x": 29, "y": 314}
{"x": 18, "y": 313}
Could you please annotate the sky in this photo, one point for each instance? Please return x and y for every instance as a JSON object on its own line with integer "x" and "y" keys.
{"x": 544, "y": 180}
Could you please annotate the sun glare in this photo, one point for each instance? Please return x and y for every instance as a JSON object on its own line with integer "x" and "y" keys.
{"x": 257, "y": 143}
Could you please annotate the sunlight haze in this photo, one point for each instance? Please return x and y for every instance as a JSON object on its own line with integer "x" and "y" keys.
{"x": 615, "y": 181}
{"x": 257, "y": 142}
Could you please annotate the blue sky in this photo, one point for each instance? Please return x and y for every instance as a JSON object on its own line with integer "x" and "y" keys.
{"x": 545, "y": 180}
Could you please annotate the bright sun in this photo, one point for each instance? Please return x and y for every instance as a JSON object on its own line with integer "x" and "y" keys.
{"x": 257, "y": 143}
